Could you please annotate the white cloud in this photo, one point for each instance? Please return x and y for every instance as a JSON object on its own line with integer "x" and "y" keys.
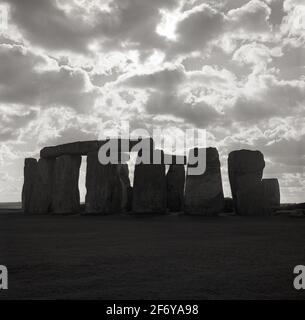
{"x": 293, "y": 23}
{"x": 24, "y": 80}
{"x": 235, "y": 68}
{"x": 251, "y": 17}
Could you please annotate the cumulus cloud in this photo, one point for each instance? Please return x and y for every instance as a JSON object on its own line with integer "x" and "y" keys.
{"x": 12, "y": 119}
{"x": 76, "y": 25}
{"x": 251, "y": 17}
{"x": 235, "y": 68}
{"x": 196, "y": 27}
{"x": 198, "y": 113}
{"x": 23, "y": 80}
{"x": 294, "y": 21}
{"x": 45, "y": 24}
{"x": 265, "y": 97}
{"x": 256, "y": 54}
{"x": 165, "y": 79}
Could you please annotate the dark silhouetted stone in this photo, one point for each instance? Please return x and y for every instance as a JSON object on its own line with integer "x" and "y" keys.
{"x": 30, "y": 173}
{"x": 229, "y": 205}
{"x": 41, "y": 202}
{"x": 175, "y": 180}
{"x": 129, "y": 199}
{"x": 85, "y": 147}
{"x": 126, "y": 188}
{"x": 149, "y": 188}
{"x": 245, "y": 170}
{"x": 272, "y": 193}
{"x": 37, "y": 190}
{"x": 250, "y": 201}
{"x": 204, "y": 192}
{"x": 65, "y": 198}
{"x": 74, "y": 148}
{"x": 104, "y": 187}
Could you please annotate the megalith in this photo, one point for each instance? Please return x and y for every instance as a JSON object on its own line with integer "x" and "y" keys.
{"x": 126, "y": 187}
{"x": 229, "y": 206}
{"x": 175, "y": 179}
{"x": 104, "y": 187}
{"x": 204, "y": 192}
{"x": 30, "y": 172}
{"x": 42, "y": 193}
{"x": 65, "y": 195}
{"x": 82, "y": 148}
{"x": 250, "y": 201}
{"x": 272, "y": 193}
{"x": 245, "y": 168}
{"x": 37, "y": 189}
{"x": 149, "y": 186}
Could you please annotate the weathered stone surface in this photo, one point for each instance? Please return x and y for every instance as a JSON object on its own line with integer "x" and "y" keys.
{"x": 41, "y": 202}
{"x": 245, "y": 170}
{"x": 229, "y": 205}
{"x": 250, "y": 201}
{"x": 85, "y": 147}
{"x": 126, "y": 188}
{"x": 30, "y": 173}
{"x": 124, "y": 173}
{"x": 149, "y": 188}
{"x": 38, "y": 182}
{"x": 65, "y": 197}
{"x": 175, "y": 180}
{"x": 104, "y": 187}
{"x": 204, "y": 193}
{"x": 129, "y": 199}
{"x": 272, "y": 193}
{"x": 74, "y": 148}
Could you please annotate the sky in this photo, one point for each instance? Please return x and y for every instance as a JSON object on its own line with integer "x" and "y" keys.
{"x": 233, "y": 68}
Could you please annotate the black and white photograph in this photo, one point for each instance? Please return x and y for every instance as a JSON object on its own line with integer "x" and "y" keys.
{"x": 152, "y": 150}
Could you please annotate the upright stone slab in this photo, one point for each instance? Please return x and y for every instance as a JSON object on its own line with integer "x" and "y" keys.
{"x": 65, "y": 198}
{"x": 104, "y": 187}
{"x": 128, "y": 207}
{"x": 175, "y": 180}
{"x": 272, "y": 193}
{"x": 229, "y": 206}
{"x": 30, "y": 173}
{"x": 251, "y": 200}
{"x": 204, "y": 193}
{"x": 245, "y": 168}
{"x": 41, "y": 202}
{"x": 126, "y": 188}
{"x": 149, "y": 187}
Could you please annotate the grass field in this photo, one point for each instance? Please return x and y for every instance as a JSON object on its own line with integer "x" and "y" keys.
{"x": 154, "y": 257}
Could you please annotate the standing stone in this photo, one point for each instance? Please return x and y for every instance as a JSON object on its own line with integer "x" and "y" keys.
{"x": 104, "y": 187}
{"x": 251, "y": 200}
{"x": 204, "y": 193}
{"x": 65, "y": 199}
{"x": 245, "y": 169}
{"x": 126, "y": 188}
{"x": 229, "y": 206}
{"x": 175, "y": 180}
{"x": 149, "y": 187}
{"x": 37, "y": 189}
{"x": 272, "y": 193}
{"x": 41, "y": 202}
{"x": 30, "y": 172}
{"x": 129, "y": 199}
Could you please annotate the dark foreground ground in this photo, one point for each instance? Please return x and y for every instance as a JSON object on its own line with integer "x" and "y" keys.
{"x": 156, "y": 257}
